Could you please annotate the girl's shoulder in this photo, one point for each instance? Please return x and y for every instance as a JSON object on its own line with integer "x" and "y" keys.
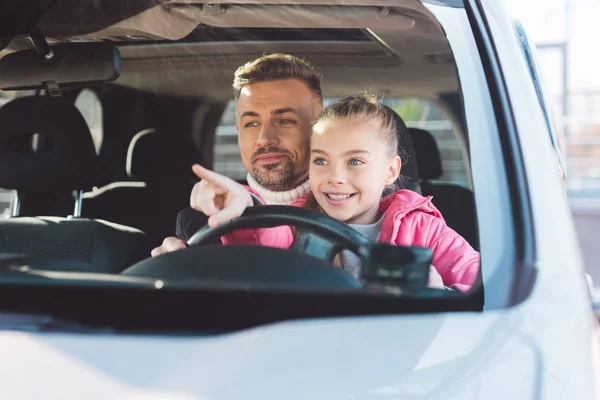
{"x": 409, "y": 212}
{"x": 404, "y": 201}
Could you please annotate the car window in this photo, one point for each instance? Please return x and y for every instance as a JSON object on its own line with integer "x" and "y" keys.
{"x": 529, "y": 51}
{"x": 416, "y": 112}
{"x": 425, "y": 64}
{"x": 227, "y": 158}
{"x": 6, "y": 196}
{"x": 429, "y": 116}
{"x": 89, "y": 105}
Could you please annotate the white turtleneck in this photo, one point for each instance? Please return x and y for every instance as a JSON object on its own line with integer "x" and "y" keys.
{"x": 272, "y": 197}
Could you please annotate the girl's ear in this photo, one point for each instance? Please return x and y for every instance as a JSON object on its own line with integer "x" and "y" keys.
{"x": 393, "y": 170}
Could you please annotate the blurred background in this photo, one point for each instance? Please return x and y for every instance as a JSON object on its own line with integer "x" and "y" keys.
{"x": 566, "y": 34}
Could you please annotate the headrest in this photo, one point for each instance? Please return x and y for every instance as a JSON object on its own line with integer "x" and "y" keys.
{"x": 67, "y": 159}
{"x": 154, "y": 157}
{"x": 430, "y": 165}
{"x": 409, "y": 177}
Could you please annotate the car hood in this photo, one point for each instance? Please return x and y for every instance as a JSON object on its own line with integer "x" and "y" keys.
{"x": 460, "y": 355}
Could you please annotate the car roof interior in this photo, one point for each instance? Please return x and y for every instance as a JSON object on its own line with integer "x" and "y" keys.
{"x": 178, "y": 55}
{"x": 192, "y": 49}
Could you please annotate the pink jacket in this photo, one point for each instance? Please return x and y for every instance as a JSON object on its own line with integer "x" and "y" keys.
{"x": 409, "y": 220}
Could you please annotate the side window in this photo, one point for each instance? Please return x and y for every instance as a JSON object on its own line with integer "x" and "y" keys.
{"x": 90, "y": 107}
{"x": 429, "y": 116}
{"x": 536, "y": 76}
{"x": 6, "y": 195}
{"x": 227, "y": 159}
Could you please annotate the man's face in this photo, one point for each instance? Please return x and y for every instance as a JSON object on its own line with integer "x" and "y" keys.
{"x": 274, "y": 124}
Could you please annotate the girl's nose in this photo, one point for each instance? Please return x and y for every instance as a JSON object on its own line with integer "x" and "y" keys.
{"x": 336, "y": 176}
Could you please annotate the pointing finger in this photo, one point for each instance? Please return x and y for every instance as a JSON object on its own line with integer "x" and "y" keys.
{"x": 204, "y": 201}
{"x": 226, "y": 214}
{"x": 211, "y": 176}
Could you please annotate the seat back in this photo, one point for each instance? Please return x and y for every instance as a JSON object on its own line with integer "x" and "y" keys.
{"x": 98, "y": 246}
{"x": 160, "y": 168}
{"x": 409, "y": 175}
{"x": 457, "y": 204}
{"x": 65, "y": 164}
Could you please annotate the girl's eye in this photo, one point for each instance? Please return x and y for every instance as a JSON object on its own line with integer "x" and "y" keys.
{"x": 355, "y": 161}
{"x": 319, "y": 161}
{"x": 251, "y": 124}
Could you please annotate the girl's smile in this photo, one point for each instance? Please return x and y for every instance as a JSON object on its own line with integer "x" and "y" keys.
{"x": 338, "y": 199}
{"x": 350, "y": 167}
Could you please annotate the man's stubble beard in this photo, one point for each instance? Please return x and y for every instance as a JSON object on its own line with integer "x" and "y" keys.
{"x": 277, "y": 177}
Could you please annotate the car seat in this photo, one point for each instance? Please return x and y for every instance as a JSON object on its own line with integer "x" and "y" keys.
{"x": 162, "y": 179}
{"x": 66, "y": 164}
{"x": 457, "y": 204}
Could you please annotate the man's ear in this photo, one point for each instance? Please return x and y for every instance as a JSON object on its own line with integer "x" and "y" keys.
{"x": 393, "y": 170}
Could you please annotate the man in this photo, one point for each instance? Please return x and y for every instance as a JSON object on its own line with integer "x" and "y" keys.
{"x": 278, "y": 96}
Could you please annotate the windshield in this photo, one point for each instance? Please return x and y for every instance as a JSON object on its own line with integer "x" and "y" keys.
{"x": 98, "y": 188}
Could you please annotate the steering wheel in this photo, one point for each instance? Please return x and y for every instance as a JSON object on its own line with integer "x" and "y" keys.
{"x": 317, "y": 234}
{"x": 318, "y": 239}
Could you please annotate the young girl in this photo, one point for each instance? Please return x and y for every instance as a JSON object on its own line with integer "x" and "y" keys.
{"x": 353, "y": 158}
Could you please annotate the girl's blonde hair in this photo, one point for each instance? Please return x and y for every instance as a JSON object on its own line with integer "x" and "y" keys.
{"x": 364, "y": 106}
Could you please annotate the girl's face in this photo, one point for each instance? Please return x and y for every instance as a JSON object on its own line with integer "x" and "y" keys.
{"x": 350, "y": 165}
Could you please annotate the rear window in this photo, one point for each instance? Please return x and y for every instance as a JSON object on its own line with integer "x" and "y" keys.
{"x": 416, "y": 112}
{"x": 429, "y": 116}
{"x": 227, "y": 158}
{"x": 6, "y": 195}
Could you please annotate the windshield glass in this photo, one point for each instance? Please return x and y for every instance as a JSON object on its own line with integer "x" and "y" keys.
{"x": 355, "y": 148}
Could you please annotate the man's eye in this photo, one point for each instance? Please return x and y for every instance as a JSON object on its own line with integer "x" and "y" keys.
{"x": 287, "y": 121}
{"x": 355, "y": 161}
{"x": 319, "y": 161}
{"x": 251, "y": 124}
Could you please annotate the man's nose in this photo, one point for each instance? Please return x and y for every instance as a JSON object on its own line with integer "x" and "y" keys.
{"x": 268, "y": 136}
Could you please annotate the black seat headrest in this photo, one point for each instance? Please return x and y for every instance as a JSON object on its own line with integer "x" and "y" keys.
{"x": 430, "y": 165}
{"x": 154, "y": 157}
{"x": 68, "y": 159}
{"x": 409, "y": 177}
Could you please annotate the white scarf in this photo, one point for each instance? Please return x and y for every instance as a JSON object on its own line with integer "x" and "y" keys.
{"x": 279, "y": 198}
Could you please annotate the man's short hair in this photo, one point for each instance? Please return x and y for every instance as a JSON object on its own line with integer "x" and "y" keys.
{"x": 274, "y": 67}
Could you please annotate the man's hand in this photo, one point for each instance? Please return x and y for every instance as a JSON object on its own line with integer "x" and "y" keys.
{"x": 219, "y": 197}
{"x": 169, "y": 244}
